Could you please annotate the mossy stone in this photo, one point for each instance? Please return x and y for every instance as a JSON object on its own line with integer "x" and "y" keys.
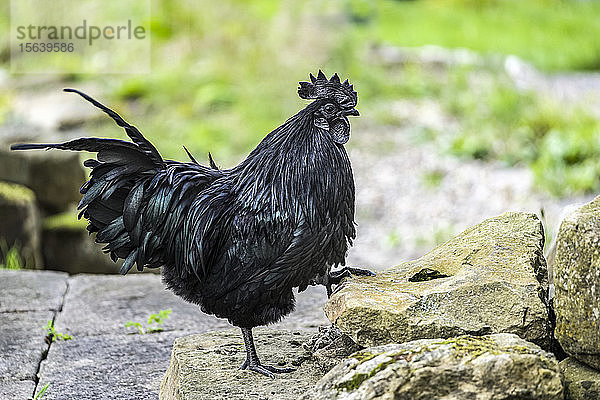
{"x": 64, "y": 221}
{"x": 12, "y": 192}
{"x": 54, "y": 176}
{"x": 500, "y": 366}
{"x": 577, "y": 283}
{"x": 581, "y": 381}
{"x": 491, "y": 278}
{"x": 67, "y": 246}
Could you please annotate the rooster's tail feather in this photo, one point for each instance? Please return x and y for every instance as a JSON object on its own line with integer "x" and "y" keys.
{"x": 115, "y": 197}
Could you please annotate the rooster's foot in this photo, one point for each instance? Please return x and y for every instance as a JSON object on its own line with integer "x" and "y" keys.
{"x": 252, "y": 362}
{"x": 266, "y": 370}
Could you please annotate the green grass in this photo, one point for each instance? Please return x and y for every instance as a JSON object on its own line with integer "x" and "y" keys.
{"x": 553, "y": 34}
{"x": 560, "y": 144}
{"x": 497, "y": 122}
{"x": 10, "y": 256}
{"x": 42, "y": 392}
{"x": 433, "y": 179}
{"x": 237, "y": 65}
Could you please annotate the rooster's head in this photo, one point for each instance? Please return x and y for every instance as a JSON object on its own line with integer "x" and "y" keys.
{"x": 334, "y": 101}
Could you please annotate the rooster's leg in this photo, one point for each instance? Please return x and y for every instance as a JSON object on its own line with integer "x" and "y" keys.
{"x": 335, "y": 277}
{"x": 253, "y": 363}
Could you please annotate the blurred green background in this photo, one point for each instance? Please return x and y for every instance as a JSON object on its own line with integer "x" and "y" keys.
{"x": 224, "y": 74}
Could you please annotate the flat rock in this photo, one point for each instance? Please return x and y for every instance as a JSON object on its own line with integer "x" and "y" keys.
{"x": 581, "y": 381}
{"x": 31, "y": 290}
{"x": 22, "y": 344}
{"x": 28, "y": 300}
{"x": 577, "y": 284}
{"x": 206, "y": 367}
{"x": 105, "y": 359}
{"x": 17, "y": 389}
{"x": 489, "y": 279}
{"x": 499, "y": 366}
{"x": 107, "y": 366}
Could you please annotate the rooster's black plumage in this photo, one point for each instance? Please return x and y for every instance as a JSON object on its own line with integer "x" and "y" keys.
{"x": 234, "y": 241}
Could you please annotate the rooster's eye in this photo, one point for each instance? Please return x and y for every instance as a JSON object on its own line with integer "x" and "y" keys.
{"x": 329, "y": 108}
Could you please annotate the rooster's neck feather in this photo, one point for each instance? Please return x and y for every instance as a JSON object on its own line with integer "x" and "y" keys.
{"x": 295, "y": 166}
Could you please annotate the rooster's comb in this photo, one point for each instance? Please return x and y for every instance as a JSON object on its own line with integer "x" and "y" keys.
{"x": 323, "y": 88}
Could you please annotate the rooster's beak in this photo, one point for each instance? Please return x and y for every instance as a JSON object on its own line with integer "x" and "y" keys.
{"x": 353, "y": 112}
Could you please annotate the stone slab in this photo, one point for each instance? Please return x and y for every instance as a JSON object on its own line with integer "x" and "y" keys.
{"x": 108, "y": 367}
{"x": 206, "y": 367}
{"x": 105, "y": 360}
{"x": 16, "y": 389}
{"x": 22, "y": 344}
{"x": 24, "y": 290}
{"x": 102, "y": 304}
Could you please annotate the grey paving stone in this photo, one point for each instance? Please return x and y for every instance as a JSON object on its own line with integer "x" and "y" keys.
{"x": 22, "y": 344}
{"x": 107, "y": 366}
{"x": 102, "y": 304}
{"x": 28, "y": 299}
{"x": 10, "y": 390}
{"x": 104, "y": 360}
{"x": 26, "y": 290}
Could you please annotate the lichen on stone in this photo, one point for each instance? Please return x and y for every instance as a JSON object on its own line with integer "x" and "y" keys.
{"x": 489, "y": 279}
{"x": 493, "y": 366}
{"x": 577, "y": 283}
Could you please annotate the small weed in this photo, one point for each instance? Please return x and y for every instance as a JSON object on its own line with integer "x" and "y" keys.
{"x": 156, "y": 319}
{"x": 42, "y": 392}
{"x": 12, "y": 259}
{"x": 53, "y": 335}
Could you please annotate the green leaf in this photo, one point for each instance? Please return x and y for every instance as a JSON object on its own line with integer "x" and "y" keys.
{"x": 42, "y": 392}
{"x": 137, "y": 325}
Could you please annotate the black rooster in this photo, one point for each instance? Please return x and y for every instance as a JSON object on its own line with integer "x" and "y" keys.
{"x": 234, "y": 241}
